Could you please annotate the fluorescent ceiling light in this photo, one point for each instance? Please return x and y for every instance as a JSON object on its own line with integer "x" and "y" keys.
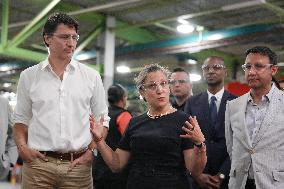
{"x": 5, "y": 68}
{"x": 194, "y": 77}
{"x": 243, "y": 5}
{"x": 185, "y": 28}
{"x": 191, "y": 61}
{"x": 6, "y": 85}
{"x": 122, "y": 69}
{"x": 215, "y": 37}
{"x": 82, "y": 57}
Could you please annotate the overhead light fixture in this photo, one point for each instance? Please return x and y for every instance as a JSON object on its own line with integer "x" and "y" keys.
{"x": 122, "y": 69}
{"x": 185, "y": 28}
{"x": 216, "y": 36}
{"x": 5, "y": 68}
{"x": 182, "y": 20}
{"x": 191, "y": 61}
{"x": 244, "y": 4}
{"x": 6, "y": 85}
{"x": 194, "y": 77}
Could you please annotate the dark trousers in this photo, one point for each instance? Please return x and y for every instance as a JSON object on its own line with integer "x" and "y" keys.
{"x": 250, "y": 184}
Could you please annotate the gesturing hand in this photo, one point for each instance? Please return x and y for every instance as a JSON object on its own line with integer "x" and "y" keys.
{"x": 193, "y": 131}
{"x": 97, "y": 128}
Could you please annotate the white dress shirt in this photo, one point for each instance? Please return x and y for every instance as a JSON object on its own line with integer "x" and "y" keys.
{"x": 57, "y": 112}
{"x": 218, "y": 96}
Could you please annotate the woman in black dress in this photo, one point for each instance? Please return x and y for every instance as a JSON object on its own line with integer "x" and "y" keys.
{"x": 160, "y": 144}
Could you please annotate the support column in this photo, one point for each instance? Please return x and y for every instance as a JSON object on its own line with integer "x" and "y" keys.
{"x": 109, "y": 52}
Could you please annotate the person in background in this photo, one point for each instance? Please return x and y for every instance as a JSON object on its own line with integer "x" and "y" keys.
{"x": 281, "y": 84}
{"x": 119, "y": 119}
{"x": 209, "y": 108}
{"x": 254, "y": 126}
{"x": 54, "y": 101}
{"x": 181, "y": 88}
{"x": 160, "y": 144}
{"x": 8, "y": 148}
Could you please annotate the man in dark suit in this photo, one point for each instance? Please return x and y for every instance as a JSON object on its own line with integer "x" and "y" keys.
{"x": 209, "y": 108}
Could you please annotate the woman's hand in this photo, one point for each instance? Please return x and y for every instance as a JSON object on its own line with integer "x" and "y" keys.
{"x": 97, "y": 128}
{"x": 193, "y": 131}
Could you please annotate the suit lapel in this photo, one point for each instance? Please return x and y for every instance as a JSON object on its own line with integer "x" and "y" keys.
{"x": 268, "y": 118}
{"x": 241, "y": 106}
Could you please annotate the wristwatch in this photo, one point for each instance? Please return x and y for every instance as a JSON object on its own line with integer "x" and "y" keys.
{"x": 199, "y": 145}
{"x": 221, "y": 176}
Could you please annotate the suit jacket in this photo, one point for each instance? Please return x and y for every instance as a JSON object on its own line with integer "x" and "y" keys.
{"x": 8, "y": 149}
{"x": 217, "y": 157}
{"x": 266, "y": 153}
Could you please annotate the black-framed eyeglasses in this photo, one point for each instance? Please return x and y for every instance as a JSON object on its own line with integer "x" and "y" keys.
{"x": 154, "y": 86}
{"x": 257, "y": 67}
{"x": 179, "y": 81}
{"x": 215, "y": 67}
{"x": 66, "y": 37}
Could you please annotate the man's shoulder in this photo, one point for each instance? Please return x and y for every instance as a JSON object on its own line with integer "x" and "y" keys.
{"x": 87, "y": 69}
{"x": 199, "y": 96}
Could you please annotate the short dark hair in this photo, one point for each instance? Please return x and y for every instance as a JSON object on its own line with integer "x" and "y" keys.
{"x": 179, "y": 69}
{"x": 265, "y": 51}
{"x": 54, "y": 20}
{"x": 115, "y": 93}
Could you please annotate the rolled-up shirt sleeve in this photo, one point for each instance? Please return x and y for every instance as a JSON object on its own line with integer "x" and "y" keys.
{"x": 23, "y": 110}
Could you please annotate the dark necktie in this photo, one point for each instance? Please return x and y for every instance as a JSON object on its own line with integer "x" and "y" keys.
{"x": 213, "y": 110}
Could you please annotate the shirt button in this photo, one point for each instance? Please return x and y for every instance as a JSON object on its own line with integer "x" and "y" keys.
{"x": 251, "y": 151}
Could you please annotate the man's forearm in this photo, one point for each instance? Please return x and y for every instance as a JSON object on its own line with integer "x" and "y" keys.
{"x": 20, "y": 132}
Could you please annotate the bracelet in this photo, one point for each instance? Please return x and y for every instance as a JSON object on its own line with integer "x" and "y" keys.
{"x": 200, "y": 147}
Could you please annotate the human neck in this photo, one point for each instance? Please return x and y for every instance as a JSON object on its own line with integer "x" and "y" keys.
{"x": 158, "y": 111}
{"x": 215, "y": 89}
{"x": 58, "y": 65}
{"x": 258, "y": 93}
{"x": 181, "y": 100}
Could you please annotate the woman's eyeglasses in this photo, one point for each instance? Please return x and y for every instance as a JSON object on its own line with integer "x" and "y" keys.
{"x": 154, "y": 86}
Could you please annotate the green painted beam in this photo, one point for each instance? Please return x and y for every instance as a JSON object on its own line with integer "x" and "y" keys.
{"x": 5, "y": 18}
{"x": 23, "y": 54}
{"x": 89, "y": 39}
{"x": 26, "y": 32}
{"x": 135, "y": 35}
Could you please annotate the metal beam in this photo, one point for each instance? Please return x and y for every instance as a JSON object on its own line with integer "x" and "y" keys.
{"x": 5, "y": 18}
{"x": 23, "y": 54}
{"x": 23, "y": 34}
{"x": 89, "y": 39}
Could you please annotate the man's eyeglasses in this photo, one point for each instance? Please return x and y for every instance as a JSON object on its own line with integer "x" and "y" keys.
{"x": 215, "y": 67}
{"x": 154, "y": 86}
{"x": 66, "y": 37}
{"x": 257, "y": 67}
{"x": 180, "y": 81}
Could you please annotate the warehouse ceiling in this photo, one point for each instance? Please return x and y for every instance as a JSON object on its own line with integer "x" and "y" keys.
{"x": 144, "y": 28}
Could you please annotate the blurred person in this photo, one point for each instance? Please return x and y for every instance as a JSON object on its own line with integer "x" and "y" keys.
{"x": 8, "y": 148}
{"x": 211, "y": 118}
{"x": 119, "y": 119}
{"x": 181, "y": 88}
{"x": 160, "y": 144}
{"x": 254, "y": 126}
{"x": 54, "y": 100}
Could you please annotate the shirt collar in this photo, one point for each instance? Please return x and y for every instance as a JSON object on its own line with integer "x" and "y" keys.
{"x": 218, "y": 95}
{"x": 70, "y": 67}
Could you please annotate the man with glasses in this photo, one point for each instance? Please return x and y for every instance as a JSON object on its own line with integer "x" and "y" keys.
{"x": 54, "y": 101}
{"x": 209, "y": 108}
{"x": 254, "y": 126}
{"x": 181, "y": 88}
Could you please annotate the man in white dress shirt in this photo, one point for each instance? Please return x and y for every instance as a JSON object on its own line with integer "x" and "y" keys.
{"x": 55, "y": 98}
{"x": 8, "y": 149}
